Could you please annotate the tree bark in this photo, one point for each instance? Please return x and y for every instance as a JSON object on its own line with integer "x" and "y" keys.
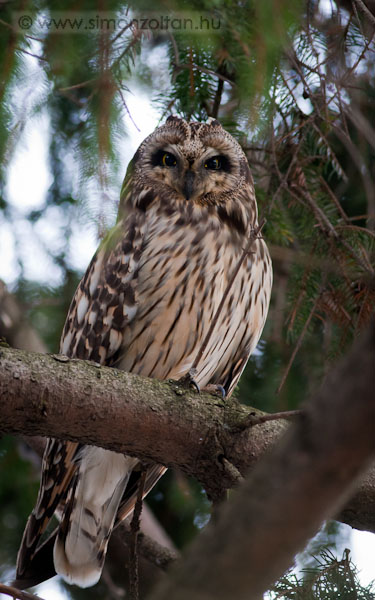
{"x": 51, "y": 395}
{"x": 158, "y": 421}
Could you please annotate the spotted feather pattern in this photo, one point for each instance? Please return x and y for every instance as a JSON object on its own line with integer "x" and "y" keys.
{"x": 145, "y": 305}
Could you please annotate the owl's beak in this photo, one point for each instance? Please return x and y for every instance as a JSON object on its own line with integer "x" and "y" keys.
{"x": 189, "y": 184}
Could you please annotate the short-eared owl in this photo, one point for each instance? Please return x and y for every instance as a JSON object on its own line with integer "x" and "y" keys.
{"x": 145, "y": 305}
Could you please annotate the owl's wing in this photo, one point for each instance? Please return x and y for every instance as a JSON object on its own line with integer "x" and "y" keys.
{"x": 103, "y": 305}
{"x": 58, "y": 468}
{"x": 105, "y": 300}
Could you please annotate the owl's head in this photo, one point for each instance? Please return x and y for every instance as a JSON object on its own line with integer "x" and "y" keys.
{"x": 196, "y": 161}
{"x": 194, "y": 165}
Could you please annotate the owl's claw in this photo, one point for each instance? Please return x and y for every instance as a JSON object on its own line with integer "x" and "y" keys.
{"x": 189, "y": 381}
{"x": 215, "y": 388}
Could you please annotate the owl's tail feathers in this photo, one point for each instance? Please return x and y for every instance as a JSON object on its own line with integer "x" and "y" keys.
{"x": 101, "y": 494}
{"x": 89, "y": 515}
{"x": 39, "y": 566}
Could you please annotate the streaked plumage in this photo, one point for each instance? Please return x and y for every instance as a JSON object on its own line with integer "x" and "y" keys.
{"x": 145, "y": 305}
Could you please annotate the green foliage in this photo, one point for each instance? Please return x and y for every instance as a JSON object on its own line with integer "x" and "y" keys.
{"x": 46, "y": 308}
{"x": 329, "y": 579}
{"x": 18, "y": 491}
{"x": 181, "y": 506}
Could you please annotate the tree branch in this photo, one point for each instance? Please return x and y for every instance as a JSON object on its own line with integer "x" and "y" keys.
{"x": 52, "y": 395}
{"x": 159, "y": 421}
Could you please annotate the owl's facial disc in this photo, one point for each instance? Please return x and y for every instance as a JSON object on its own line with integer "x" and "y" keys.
{"x": 192, "y": 177}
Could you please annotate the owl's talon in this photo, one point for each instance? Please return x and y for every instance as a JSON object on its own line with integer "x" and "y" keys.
{"x": 195, "y": 385}
{"x": 222, "y": 390}
{"x": 189, "y": 381}
{"x": 215, "y": 388}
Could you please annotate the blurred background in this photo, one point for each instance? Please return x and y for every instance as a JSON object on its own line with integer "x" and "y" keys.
{"x": 82, "y": 84}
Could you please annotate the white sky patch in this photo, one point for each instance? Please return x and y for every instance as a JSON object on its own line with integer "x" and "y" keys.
{"x": 82, "y": 245}
{"x": 9, "y": 268}
{"x": 143, "y": 119}
{"x": 326, "y": 8}
{"x": 362, "y": 552}
{"x": 38, "y": 265}
{"x": 28, "y": 176}
{"x": 50, "y": 229}
{"x": 52, "y": 590}
{"x": 363, "y": 555}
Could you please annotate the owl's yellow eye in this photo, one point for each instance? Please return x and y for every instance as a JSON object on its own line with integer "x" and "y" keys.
{"x": 213, "y": 163}
{"x": 168, "y": 160}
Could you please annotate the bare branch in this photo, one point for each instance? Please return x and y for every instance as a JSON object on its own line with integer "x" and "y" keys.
{"x": 298, "y": 344}
{"x": 149, "y": 548}
{"x": 15, "y": 593}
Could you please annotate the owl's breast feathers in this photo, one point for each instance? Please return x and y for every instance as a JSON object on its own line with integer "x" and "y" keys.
{"x": 152, "y": 290}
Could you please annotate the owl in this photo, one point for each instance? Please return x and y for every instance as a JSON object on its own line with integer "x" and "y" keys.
{"x": 145, "y": 305}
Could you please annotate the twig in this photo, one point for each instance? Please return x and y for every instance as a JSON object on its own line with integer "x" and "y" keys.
{"x": 298, "y": 344}
{"x": 357, "y": 228}
{"x": 191, "y": 74}
{"x": 113, "y": 40}
{"x": 217, "y": 99}
{"x": 205, "y": 70}
{"x": 254, "y": 419}
{"x": 231, "y": 470}
{"x": 31, "y": 54}
{"x": 16, "y": 593}
{"x": 136, "y": 37}
{"x": 134, "y": 528}
{"x": 334, "y": 199}
{"x": 330, "y": 230}
{"x": 126, "y": 106}
{"x": 77, "y": 85}
{"x": 30, "y": 37}
{"x": 254, "y": 235}
{"x": 283, "y": 179}
{"x": 309, "y": 262}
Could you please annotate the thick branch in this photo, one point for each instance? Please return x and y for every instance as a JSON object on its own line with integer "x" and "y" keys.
{"x": 76, "y": 400}
{"x": 303, "y": 481}
{"x": 159, "y": 421}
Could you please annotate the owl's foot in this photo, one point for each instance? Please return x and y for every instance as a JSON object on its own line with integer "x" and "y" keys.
{"x": 188, "y": 381}
{"x": 216, "y": 389}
